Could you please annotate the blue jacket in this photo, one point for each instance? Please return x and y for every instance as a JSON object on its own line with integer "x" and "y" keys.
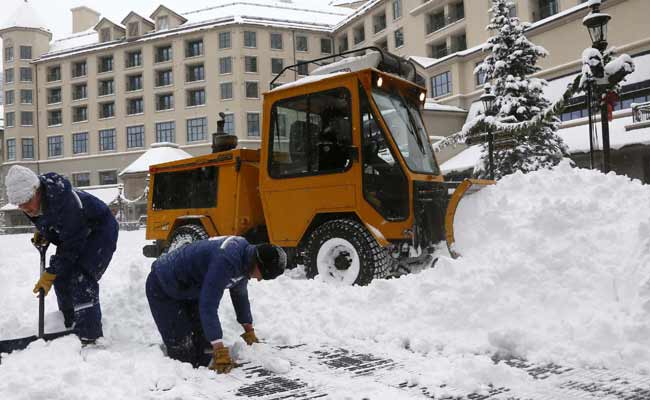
{"x": 202, "y": 271}
{"x": 69, "y": 219}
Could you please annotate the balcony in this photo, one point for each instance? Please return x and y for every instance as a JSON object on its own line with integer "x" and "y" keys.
{"x": 640, "y": 116}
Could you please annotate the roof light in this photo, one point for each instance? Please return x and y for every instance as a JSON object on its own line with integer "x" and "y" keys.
{"x": 380, "y": 82}
{"x": 423, "y": 96}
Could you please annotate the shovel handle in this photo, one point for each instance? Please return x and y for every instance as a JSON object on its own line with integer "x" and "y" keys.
{"x": 41, "y": 296}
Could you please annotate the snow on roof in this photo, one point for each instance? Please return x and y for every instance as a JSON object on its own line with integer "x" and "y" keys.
{"x": 359, "y": 11}
{"x": 559, "y": 15}
{"x": 24, "y": 17}
{"x": 80, "y": 39}
{"x": 307, "y": 79}
{"x": 105, "y": 193}
{"x": 431, "y": 105}
{"x": 350, "y": 64}
{"x": 425, "y": 62}
{"x": 157, "y": 154}
{"x": 464, "y": 160}
{"x": 9, "y": 207}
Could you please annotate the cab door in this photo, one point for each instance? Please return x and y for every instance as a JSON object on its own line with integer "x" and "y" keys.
{"x": 309, "y": 153}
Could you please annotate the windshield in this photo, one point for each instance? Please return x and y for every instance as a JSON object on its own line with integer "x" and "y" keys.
{"x": 407, "y": 128}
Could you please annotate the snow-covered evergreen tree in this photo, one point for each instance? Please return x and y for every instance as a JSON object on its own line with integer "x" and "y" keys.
{"x": 508, "y": 68}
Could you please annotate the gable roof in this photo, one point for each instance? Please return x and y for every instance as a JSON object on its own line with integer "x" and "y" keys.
{"x": 168, "y": 10}
{"x": 134, "y": 14}
{"x": 105, "y": 20}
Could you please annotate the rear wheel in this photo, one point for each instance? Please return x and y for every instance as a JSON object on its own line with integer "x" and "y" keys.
{"x": 342, "y": 251}
{"x": 186, "y": 234}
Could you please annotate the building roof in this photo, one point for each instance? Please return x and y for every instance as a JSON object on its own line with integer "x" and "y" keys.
{"x": 24, "y": 17}
{"x": 157, "y": 154}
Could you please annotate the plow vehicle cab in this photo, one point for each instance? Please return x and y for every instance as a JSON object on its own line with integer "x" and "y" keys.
{"x": 345, "y": 179}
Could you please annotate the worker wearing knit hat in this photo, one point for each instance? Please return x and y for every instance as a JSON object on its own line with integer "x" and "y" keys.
{"x": 22, "y": 183}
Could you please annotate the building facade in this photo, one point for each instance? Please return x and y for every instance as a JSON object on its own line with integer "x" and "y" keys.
{"x": 89, "y": 104}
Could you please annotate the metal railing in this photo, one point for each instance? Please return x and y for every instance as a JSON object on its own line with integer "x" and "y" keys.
{"x": 641, "y": 112}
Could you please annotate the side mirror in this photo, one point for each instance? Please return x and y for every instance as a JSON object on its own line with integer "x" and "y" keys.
{"x": 352, "y": 153}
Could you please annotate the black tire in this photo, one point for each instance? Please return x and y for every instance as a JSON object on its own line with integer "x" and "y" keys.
{"x": 374, "y": 261}
{"x": 186, "y": 234}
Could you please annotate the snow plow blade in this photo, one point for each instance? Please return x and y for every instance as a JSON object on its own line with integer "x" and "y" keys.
{"x": 466, "y": 187}
{"x": 8, "y": 346}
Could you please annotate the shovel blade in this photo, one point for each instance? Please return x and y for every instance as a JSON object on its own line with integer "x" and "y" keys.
{"x": 7, "y": 346}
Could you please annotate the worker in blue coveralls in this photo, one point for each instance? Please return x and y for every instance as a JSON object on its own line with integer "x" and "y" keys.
{"x": 186, "y": 285}
{"x": 84, "y": 231}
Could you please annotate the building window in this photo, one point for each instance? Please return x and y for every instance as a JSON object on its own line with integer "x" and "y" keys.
{"x": 165, "y": 102}
{"x": 133, "y": 58}
{"x": 11, "y": 149}
{"x": 379, "y": 22}
{"x": 253, "y": 124}
{"x": 276, "y": 41}
{"x": 480, "y": 75}
{"x": 225, "y": 65}
{"x": 194, "y": 48}
{"x": 54, "y": 117}
{"x": 326, "y": 45}
{"x": 134, "y": 29}
{"x": 195, "y": 73}
{"x": 164, "y": 77}
{"x": 162, "y": 22}
{"x": 81, "y": 179}
{"x": 26, "y": 118}
{"x": 28, "y": 148}
{"x": 135, "y": 106}
{"x": 25, "y": 96}
{"x": 9, "y": 54}
{"x": 441, "y": 84}
{"x": 250, "y": 39}
{"x": 303, "y": 69}
{"x": 54, "y": 73}
{"x": 107, "y": 110}
{"x": 197, "y": 129}
{"x": 10, "y": 119}
{"x": 55, "y": 146}
{"x": 79, "y": 91}
{"x": 302, "y": 43}
{"x": 105, "y": 64}
{"x": 80, "y": 144}
{"x": 80, "y": 114}
{"x": 133, "y": 82}
{"x": 397, "y": 9}
{"x": 166, "y": 132}
{"x": 164, "y": 53}
{"x": 9, "y": 97}
{"x": 25, "y": 52}
{"x": 25, "y": 74}
{"x": 225, "y": 90}
{"x": 277, "y": 64}
{"x": 224, "y": 40}
{"x": 250, "y": 64}
{"x": 54, "y": 95}
{"x": 105, "y": 35}
{"x": 78, "y": 69}
{"x": 252, "y": 90}
{"x": 9, "y": 75}
{"x": 107, "y": 177}
{"x": 106, "y": 140}
{"x": 399, "y": 38}
{"x": 106, "y": 87}
{"x": 547, "y": 8}
{"x": 195, "y": 97}
{"x": 135, "y": 136}
{"x": 229, "y": 124}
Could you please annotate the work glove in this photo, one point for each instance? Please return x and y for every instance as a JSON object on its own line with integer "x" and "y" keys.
{"x": 249, "y": 337}
{"x": 45, "y": 283}
{"x": 39, "y": 240}
{"x": 221, "y": 361}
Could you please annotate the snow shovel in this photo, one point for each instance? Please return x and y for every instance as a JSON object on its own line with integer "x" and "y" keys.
{"x": 7, "y": 346}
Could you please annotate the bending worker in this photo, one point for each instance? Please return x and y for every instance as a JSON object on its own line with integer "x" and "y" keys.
{"x": 85, "y": 234}
{"x": 186, "y": 285}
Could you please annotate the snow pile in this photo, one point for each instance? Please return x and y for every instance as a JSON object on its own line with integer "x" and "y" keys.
{"x": 555, "y": 267}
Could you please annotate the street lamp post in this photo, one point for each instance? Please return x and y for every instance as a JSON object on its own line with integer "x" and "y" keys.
{"x": 488, "y": 99}
{"x": 596, "y": 23}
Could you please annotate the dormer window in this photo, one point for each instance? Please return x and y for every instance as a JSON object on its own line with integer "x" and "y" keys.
{"x": 134, "y": 29}
{"x": 105, "y": 35}
{"x": 162, "y": 22}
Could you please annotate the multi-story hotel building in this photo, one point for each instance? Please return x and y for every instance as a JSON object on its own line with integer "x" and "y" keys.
{"x": 89, "y": 104}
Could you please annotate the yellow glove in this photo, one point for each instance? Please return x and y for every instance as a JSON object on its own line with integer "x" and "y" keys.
{"x": 249, "y": 337}
{"x": 221, "y": 361}
{"x": 45, "y": 282}
{"x": 39, "y": 240}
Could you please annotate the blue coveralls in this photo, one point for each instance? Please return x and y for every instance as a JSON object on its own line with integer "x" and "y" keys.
{"x": 185, "y": 288}
{"x": 85, "y": 234}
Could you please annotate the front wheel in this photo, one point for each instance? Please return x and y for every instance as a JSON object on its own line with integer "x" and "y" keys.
{"x": 186, "y": 234}
{"x": 343, "y": 252}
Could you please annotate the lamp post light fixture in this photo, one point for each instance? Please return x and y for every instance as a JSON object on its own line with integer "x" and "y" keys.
{"x": 489, "y": 101}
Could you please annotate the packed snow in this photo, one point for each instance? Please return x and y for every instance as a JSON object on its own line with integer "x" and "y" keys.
{"x": 554, "y": 267}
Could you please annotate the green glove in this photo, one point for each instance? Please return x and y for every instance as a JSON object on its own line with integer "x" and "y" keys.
{"x": 249, "y": 337}
{"x": 39, "y": 240}
{"x": 221, "y": 361}
{"x": 45, "y": 283}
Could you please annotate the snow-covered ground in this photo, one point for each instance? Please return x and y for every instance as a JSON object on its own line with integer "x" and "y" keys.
{"x": 555, "y": 267}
